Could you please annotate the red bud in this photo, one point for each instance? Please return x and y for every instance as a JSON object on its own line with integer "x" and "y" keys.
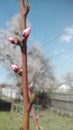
{"x": 26, "y": 32}
{"x": 15, "y": 68}
{"x": 12, "y": 40}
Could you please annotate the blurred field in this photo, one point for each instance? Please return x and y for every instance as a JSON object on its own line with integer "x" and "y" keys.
{"x": 48, "y": 120}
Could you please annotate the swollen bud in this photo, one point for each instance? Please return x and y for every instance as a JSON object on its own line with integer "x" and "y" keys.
{"x": 32, "y": 98}
{"x": 11, "y": 39}
{"x": 15, "y": 68}
{"x": 26, "y": 32}
{"x": 30, "y": 86}
{"x": 27, "y": 3}
{"x": 15, "y": 40}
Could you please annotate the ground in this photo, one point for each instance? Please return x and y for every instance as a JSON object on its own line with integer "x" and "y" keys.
{"x": 48, "y": 120}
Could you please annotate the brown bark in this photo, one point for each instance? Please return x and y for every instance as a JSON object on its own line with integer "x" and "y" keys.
{"x": 23, "y": 13}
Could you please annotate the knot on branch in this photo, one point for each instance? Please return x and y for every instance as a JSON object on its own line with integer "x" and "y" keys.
{"x": 26, "y": 10}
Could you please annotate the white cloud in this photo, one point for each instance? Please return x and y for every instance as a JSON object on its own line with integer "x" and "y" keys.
{"x": 69, "y": 30}
{"x": 66, "y": 38}
{"x": 56, "y": 52}
{"x": 68, "y": 34}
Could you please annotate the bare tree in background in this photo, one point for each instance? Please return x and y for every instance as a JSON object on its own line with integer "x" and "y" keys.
{"x": 40, "y": 69}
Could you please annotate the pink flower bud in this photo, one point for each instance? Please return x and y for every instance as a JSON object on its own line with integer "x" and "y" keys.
{"x": 30, "y": 86}
{"x": 12, "y": 40}
{"x": 15, "y": 68}
{"x": 26, "y": 32}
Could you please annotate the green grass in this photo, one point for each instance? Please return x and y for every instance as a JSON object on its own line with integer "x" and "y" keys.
{"x": 50, "y": 121}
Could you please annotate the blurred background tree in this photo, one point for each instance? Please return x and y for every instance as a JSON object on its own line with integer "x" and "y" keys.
{"x": 40, "y": 68}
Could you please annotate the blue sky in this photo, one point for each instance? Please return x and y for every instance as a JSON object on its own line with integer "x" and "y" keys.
{"x": 52, "y": 27}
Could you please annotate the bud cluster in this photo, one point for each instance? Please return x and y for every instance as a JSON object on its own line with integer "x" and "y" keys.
{"x": 17, "y": 40}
